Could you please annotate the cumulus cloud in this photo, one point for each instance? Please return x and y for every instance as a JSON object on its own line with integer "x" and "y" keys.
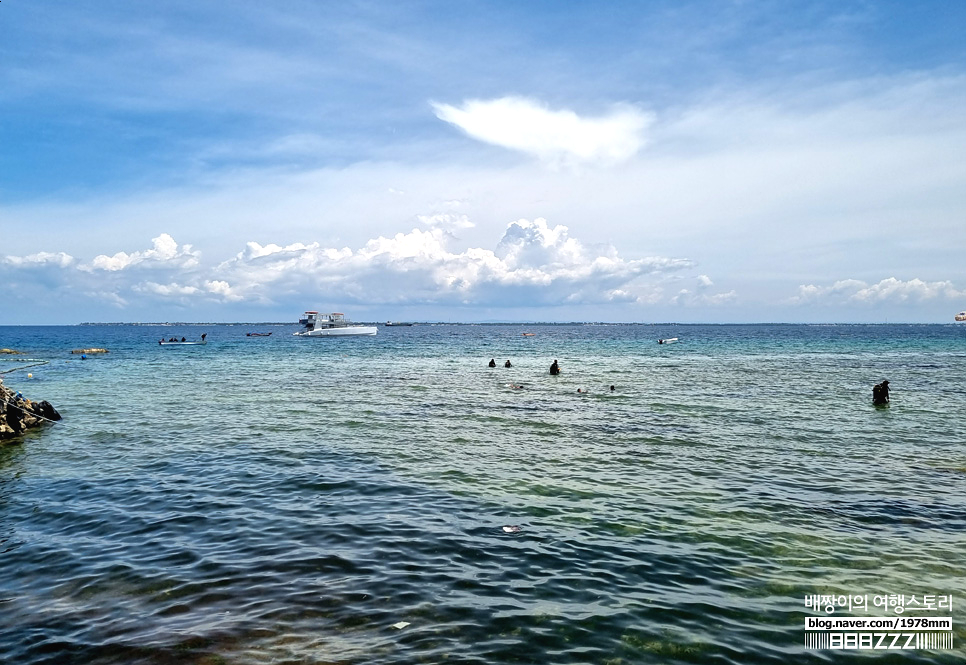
{"x": 557, "y": 137}
{"x": 701, "y": 295}
{"x": 534, "y": 263}
{"x": 165, "y": 290}
{"x": 39, "y": 260}
{"x": 446, "y": 220}
{"x": 223, "y": 289}
{"x": 888, "y": 290}
{"x": 165, "y": 252}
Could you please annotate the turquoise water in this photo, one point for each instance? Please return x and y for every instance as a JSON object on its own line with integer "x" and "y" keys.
{"x": 286, "y": 500}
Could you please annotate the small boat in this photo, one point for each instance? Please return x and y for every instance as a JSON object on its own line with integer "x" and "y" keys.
{"x": 174, "y": 341}
{"x": 670, "y": 340}
{"x": 961, "y": 316}
{"x": 268, "y": 334}
{"x": 331, "y": 325}
{"x": 528, "y": 334}
{"x": 397, "y": 323}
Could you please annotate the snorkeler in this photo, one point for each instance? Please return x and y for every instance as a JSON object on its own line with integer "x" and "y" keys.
{"x": 880, "y": 394}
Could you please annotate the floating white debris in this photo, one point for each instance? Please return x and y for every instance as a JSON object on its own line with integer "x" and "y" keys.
{"x": 512, "y": 529}
{"x": 400, "y": 625}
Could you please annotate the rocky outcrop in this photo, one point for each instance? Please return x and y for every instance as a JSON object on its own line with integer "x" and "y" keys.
{"x": 17, "y": 414}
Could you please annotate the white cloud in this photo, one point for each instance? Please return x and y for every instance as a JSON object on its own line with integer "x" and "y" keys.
{"x": 165, "y": 290}
{"x": 222, "y": 289}
{"x": 558, "y": 137}
{"x": 446, "y": 220}
{"x": 890, "y": 290}
{"x": 532, "y": 260}
{"x": 533, "y": 263}
{"x": 165, "y": 253}
{"x": 701, "y": 295}
{"x": 40, "y": 259}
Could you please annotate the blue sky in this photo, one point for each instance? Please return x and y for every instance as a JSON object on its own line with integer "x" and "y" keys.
{"x": 646, "y": 161}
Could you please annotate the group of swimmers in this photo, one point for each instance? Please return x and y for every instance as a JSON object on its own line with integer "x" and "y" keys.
{"x": 880, "y": 392}
{"x": 554, "y": 371}
{"x": 554, "y": 368}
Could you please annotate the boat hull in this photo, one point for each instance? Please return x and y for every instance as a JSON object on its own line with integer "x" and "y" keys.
{"x": 347, "y": 331}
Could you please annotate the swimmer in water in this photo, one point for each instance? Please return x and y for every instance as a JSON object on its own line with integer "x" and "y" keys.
{"x": 880, "y": 394}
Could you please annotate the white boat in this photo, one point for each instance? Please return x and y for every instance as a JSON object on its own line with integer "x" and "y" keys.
{"x": 961, "y": 316}
{"x": 331, "y": 325}
{"x": 185, "y": 343}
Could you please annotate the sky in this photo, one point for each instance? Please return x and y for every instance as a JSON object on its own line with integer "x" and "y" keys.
{"x": 686, "y": 161}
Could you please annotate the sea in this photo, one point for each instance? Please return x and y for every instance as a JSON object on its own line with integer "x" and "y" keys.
{"x": 394, "y": 500}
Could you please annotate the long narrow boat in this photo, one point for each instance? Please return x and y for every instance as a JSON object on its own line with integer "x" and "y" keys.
{"x": 164, "y": 342}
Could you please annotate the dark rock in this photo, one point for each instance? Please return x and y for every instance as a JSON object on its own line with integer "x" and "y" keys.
{"x": 45, "y": 410}
{"x": 18, "y": 414}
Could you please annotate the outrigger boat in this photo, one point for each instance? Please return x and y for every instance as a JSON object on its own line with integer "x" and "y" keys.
{"x": 331, "y": 325}
{"x": 184, "y": 342}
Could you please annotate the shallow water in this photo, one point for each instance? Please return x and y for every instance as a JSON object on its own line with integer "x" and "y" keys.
{"x": 286, "y": 500}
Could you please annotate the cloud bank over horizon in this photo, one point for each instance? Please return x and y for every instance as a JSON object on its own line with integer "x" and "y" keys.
{"x": 533, "y": 262}
{"x": 856, "y": 291}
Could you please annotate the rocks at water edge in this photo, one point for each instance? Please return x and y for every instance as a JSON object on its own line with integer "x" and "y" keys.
{"x": 18, "y": 414}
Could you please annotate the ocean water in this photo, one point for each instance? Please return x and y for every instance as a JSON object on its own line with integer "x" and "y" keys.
{"x": 287, "y": 500}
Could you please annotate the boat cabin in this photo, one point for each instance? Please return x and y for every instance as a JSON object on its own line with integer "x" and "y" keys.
{"x": 314, "y": 320}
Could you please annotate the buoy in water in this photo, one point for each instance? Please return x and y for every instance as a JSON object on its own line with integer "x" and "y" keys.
{"x": 30, "y": 376}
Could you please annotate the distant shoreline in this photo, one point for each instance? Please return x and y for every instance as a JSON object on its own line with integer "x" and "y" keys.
{"x": 489, "y": 323}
